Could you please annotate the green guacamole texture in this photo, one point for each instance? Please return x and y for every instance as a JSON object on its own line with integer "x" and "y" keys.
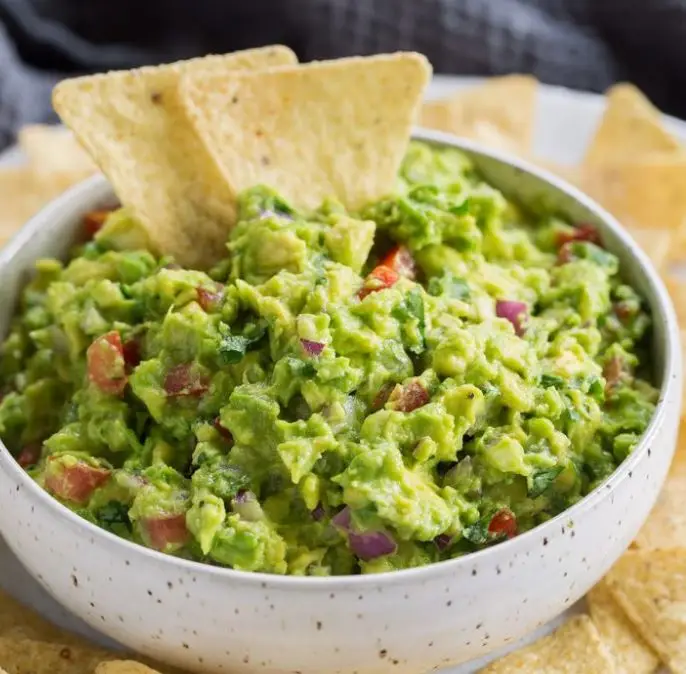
{"x": 344, "y": 393}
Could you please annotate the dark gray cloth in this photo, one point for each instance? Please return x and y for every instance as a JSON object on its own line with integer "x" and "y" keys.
{"x": 584, "y": 44}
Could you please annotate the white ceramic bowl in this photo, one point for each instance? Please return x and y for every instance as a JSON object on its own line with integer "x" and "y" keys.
{"x": 218, "y": 620}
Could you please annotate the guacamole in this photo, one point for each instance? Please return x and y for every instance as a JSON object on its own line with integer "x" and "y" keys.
{"x": 346, "y": 392}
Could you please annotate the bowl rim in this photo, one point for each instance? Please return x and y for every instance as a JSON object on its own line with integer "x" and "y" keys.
{"x": 670, "y": 378}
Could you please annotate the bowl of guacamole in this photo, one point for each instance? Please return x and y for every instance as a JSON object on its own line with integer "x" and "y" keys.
{"x": 344, "y": 393}
{"x": 393, "y": 438}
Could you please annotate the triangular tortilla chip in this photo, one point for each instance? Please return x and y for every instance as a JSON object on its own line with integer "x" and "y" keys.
{"x": 53, "y": 149}
{"x": 650, "y": 194}
{"x": 23, "y": 193}
{"x": 123, "y": 667}
{"x": 629, "y": 650}
{"x": 650, "y": 585}
{"x": 575, "y": 648}
{"x": 630, "y": 129}
{"x": 131, "y": 124}
{"x": 666, "y": 524}
{"x": 324, "y": 129}
{"x": 499, "y": 113}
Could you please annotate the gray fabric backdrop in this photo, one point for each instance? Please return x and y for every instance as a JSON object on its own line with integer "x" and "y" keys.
{"x": 585, "y": 44}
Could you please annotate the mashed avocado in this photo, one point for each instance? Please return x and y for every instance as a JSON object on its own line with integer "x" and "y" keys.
{"x": 345, "y": 393}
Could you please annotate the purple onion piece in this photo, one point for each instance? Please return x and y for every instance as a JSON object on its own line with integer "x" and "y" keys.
{"x": 371, "y": 544}
{"x": 312, "y": 348}
{"x": 318, "y": 513}
{"x": 341, "y": 520}
{"x": 443, "y": 541}
{"x": 246, "y": 505}
{"x": 515, "y": 312}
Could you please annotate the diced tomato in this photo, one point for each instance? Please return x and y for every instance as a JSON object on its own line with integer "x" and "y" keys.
{"x": 584, "y": 232}
{"x": 182, "y": 381}
{"x": 75, "y": 483}
{"x": 380, "y": 278}
{"x": 409, "y": 397}
{"x": 106, "y": 364}
{"x": 222, "y": 430}
{"x": 132, "y": 352}
{"x": 400, "y": 260}
{"x": 29, "y": 454}
{"x": 382, "y": 396}
{"x": 93, "y": 221}
{"x": 209, "y": 299}
{"x": 165, "y": 531}
{"x": 503, "y": 523}
{"x": 624, "y": 311}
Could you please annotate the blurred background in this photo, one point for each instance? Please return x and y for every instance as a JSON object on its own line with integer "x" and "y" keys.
{"x": 583, "y": 44}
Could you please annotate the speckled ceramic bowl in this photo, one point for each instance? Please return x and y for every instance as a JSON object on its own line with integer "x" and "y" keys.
{"x": 218, "y": 620}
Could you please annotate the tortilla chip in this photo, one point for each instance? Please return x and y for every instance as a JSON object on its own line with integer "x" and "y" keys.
{"x": 325, "y": 129}
{"x": 649, "y": 195}
{"x": 53, "y": 149}
{"x": 656, "y": 244}
{"x": 28, "y": 656}
{"x": 666, "y": 524}
{"x": 500, "y": 113}
{"x": 650, "y": 585}
{"x": 23, "y": 193}
{"x": 630, "y": 129}
{"x": 676, "y": 287}
{"x": 629, "y": 650}
{"x": 575, "y": 648}
{"x": 123, "y": 667}
{"x": 132, "y": 125}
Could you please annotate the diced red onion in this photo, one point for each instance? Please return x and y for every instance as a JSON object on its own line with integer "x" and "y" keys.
{"x": 132, "y": 352}
{"x": 181, "y": 381}
{"x": 515, "y": 312}
{"x": 443, "y": 541}
{"x": 318, "y": 513}
{"x": 224, "y": 432}
{"x": 341, "y": 519}
{"x": 312, "y": 348}
{"x": 210, "y": 299}
{"x": 247, "y": 506}
{"x": 371, "y": 544}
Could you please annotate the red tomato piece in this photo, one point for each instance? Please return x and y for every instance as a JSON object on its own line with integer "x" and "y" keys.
{"x": 584, "y": 232}
{"x": 165, "y": 531}
{"x": 182, "y": 381}
{"x": 400, "y": 260}
{"x": 409, "y": 397}
{"x": 208, "y": 299}
{"x": 106, "y": 364}
{"x": 93, "y": 221}
{"x": 29, "y": 454}
{"x": 380, "y": 278}
{"x": 75, "y": 483}
{"x": 503, "y": 523}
